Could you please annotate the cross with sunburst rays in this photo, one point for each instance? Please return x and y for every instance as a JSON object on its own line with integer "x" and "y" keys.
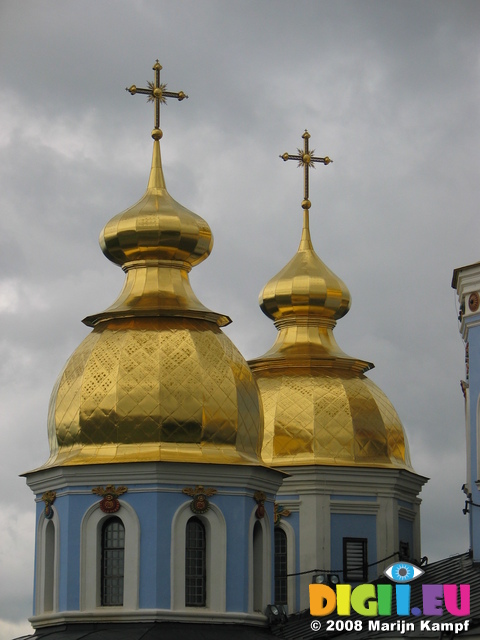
{"x": 157, "y": 93}
{"x": 306, "y": 159}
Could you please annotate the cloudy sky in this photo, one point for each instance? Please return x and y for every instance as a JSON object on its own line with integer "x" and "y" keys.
{"x": 388, "y": 89}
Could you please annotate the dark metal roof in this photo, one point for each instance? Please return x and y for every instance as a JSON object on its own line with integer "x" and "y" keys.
{"x": 150, "y": 631}
{"x": 458, "y": 569}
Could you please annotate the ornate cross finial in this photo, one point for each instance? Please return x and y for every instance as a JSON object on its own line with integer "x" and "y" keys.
{"x": 157, "y": 93}
{"x": 306, "y": 160}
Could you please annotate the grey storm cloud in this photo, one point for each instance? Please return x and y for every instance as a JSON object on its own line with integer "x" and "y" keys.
{"x": 390, "y": 90}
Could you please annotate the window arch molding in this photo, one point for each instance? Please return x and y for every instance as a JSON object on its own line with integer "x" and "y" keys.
{"x": 266, "y": 561}
{"x": 47, "y": 563}
{"x": 91, "y": 552}
{"x": 216, "y": 557}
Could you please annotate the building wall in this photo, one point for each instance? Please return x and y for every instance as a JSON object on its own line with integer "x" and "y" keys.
{"x": 154, "y": 511}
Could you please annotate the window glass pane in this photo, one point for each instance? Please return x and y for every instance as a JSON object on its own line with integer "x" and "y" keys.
{"x": 113, "y": 561}
{"x": 195, "y": 560}
{"x": 280, "y": 566}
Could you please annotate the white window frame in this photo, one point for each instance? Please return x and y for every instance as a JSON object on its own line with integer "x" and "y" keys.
{"x": 216, "y": 558}
{"x": 291, "y": 563}
{"x": 267, "y": 567}
{"x": 42, "y": 561}
{"x": 91, "y": 553}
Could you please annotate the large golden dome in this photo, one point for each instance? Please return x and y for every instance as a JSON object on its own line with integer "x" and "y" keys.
{"x": 319, "y": 407}
{"x": 148, "y": 389}
{"x": 156, "y": 379}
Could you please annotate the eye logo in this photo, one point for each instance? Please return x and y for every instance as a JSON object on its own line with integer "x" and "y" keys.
{"x": 403, "y": 572}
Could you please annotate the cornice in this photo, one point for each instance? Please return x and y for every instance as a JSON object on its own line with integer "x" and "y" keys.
{"x": 167, "y": 473}
{"x": 115, "y": 614}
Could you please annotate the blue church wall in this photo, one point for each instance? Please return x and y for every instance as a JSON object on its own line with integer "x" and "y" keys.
{"x": 474, "y": 394}
{"x": 237, "y": 516}
{"x": 474, "y": 384}
{"x": 70, "y": 510}
{"x": 156, "y": 507}
{"x": 154, "y": 511}
{"x": 352, "y": 526}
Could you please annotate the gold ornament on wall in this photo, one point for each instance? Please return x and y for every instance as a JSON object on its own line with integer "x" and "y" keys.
{"x": 279, "y": 512}
{"x": 110, "y": 494}
{"x": 200, "y": 495}
{"x": 260, "y": 498}
{"x": 474, "y": 301}
{"x": 49, "y": 498}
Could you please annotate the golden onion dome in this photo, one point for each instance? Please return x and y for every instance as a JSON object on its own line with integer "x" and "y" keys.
{"x": 156, "y": 379}
{"x": 319, "y": 407}
{"x": 305, "y": 287}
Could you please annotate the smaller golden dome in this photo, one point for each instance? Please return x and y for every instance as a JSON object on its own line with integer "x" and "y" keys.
{"x": 157, "y": 241}
{"x": 305, "y": 287}
{"x": 156, "y": 228}
{"x": 319, "y": 408}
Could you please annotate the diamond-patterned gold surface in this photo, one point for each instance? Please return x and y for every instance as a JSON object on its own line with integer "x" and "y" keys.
{"x": 155, "y": 389}
{"x": 318, "y": 416}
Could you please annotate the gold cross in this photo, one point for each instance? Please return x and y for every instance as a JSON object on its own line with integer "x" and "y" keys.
{"x": 157, "y": 93}
{"x": 306, "y": 160}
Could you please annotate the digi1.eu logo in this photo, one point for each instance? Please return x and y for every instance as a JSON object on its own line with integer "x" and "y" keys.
{"x": 389, "y": 599}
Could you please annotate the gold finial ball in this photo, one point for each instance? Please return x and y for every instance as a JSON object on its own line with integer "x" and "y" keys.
{"x": 157, "y": 92}
{"x": 306, "y": 158}
{"x": 156, "y": 66}
{"x": 306, "y": 135}
{"x": 306, "y": 204}
{"x": 157, "y": 134}
{"x": 327, "y": 160}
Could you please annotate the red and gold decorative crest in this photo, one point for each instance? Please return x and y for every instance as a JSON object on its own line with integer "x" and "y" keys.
{"x": 278, "y": 512}
{"x": 200, "y": 502}
{"x": 260, "y": 498}
{"x": 109, "y": 502}
{"x": 49, "y": 498}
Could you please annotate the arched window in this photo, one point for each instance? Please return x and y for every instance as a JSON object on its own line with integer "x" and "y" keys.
{"x": 257, "y": 567}
{"x": 113, "y": 562}
{"x": 49, "y": 570}
{"x": 195, "y": 564}
{"x": 215, "y": 529}
{"x": 280, "y": 566}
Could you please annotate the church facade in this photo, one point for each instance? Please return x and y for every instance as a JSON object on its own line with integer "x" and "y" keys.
{"x": 466, "y": 282}
{"x": 186, "y": 485}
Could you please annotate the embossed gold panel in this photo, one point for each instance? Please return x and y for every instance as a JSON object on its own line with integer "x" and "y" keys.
{"x": 155, "y": 389}
{"x": 314, "y": 417}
